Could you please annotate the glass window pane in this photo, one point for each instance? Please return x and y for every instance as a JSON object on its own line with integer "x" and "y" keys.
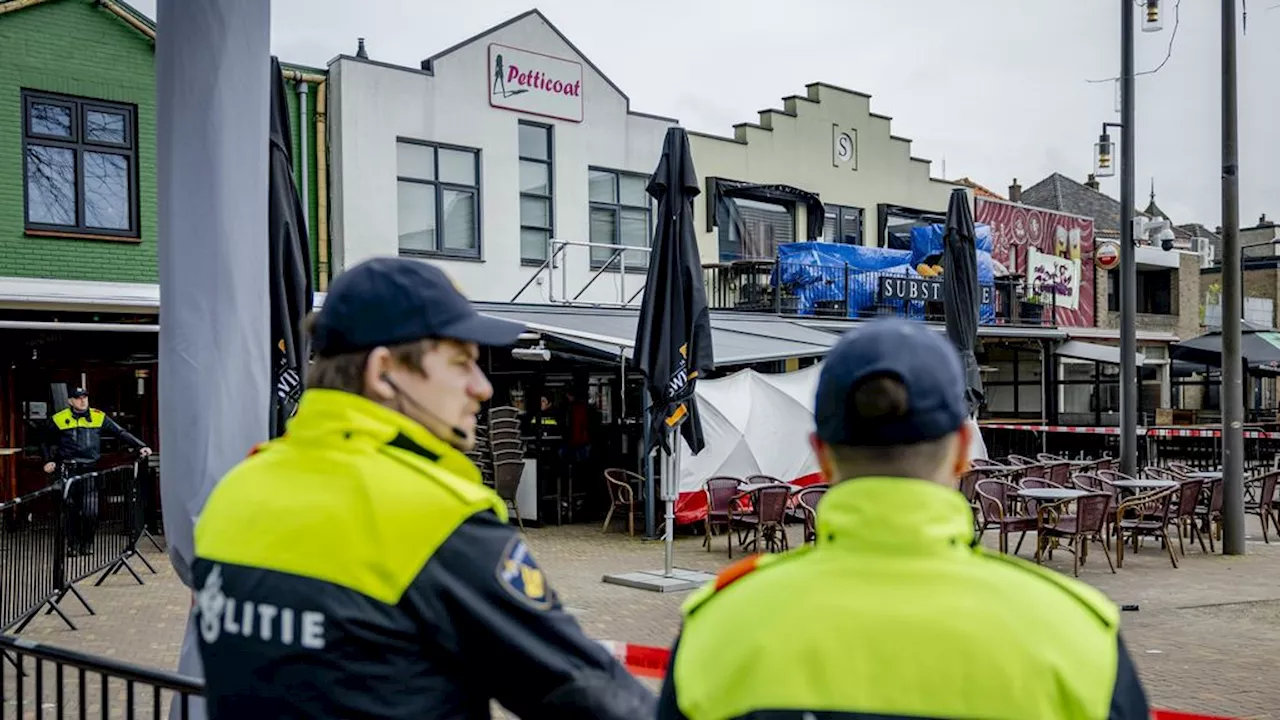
{"x": 535, "y": 212}
{"x": 417, "y": 216}
{"x": 415, "y": 161}
{"x": 535, "y": 142}
{"x": 829, "y": 223}
{"x": 634, "y": 231}
{"x": 533, "y": 178}
{"x": 458, "y": 166}
{"x": 631, "y": 190}
{"x": 50, "y": 119}
{"x": 459, "y": 220}
{"x": 51, "y": 185}
{"x": 600, "y": 186}
{"x": 851, "y": 225}
{"x": 533, "y": 244}
{"x": 604, "y": 231}
{"x": 106, "y": 191}
{"x": 105, "y": 127}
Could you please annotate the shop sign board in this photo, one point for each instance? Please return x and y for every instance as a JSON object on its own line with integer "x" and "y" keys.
{"x": 1017, "y": 229}
{"x": 896, "y": 287}
{"x": 535, "y": 83}
{"x": 1053, "y": 280}
{"x": 1107, "y": 255}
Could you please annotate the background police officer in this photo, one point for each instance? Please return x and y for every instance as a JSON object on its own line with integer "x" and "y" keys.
{"x": 74, "y": 444}
{"x": 358, "y": 567}
{"x": 897, "y": 612}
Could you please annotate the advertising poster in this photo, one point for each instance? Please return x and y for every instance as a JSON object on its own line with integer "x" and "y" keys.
{"x": 1016, "y": 229}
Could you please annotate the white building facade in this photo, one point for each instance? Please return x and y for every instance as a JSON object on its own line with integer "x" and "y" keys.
{"x": 499, "y": 160}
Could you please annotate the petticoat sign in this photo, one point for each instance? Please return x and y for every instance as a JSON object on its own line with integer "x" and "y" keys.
{"x": 535, "y": 83}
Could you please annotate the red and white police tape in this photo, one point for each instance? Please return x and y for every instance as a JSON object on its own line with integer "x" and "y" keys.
{"x": 1148, "y": 432}
{"x": 651, "y": 662}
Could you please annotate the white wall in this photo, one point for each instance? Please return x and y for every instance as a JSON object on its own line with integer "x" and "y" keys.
{"x": 794, "y": 146}
{"x": 372, "y": 104}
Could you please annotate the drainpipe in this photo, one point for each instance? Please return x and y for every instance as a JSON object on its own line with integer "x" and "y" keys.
{"x": 302, "y": 150}
{"x": 322, "y": 167}
{"x": 322, "y": 187}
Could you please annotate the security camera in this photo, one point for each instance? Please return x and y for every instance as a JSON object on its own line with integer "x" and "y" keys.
{"x": 1166, "y": 238}
{"x": 534, "y": 354}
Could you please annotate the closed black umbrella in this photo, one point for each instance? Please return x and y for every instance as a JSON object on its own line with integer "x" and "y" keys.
{"x": 673, "y": 335}
{"x": 960, "y": 291}
{"x": 290, "y": 278}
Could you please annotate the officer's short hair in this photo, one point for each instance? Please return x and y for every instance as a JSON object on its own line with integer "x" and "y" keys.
{"x": 882, "y": 400}
{"x": 345, "y": 371}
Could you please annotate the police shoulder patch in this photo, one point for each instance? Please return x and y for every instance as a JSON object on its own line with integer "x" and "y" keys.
{"x": 519, "y": 575}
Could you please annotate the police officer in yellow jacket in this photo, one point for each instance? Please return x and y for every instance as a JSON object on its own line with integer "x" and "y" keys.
{"x": 358, "y": 567}
{"x": 896, "y": 611}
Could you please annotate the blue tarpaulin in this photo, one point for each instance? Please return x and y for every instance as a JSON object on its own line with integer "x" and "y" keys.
{"x": 820, "y": 273}
{"x": 926, "y": 241}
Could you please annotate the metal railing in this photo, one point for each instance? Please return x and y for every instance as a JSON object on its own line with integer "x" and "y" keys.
{"x": 42, "y": 681}
{"x": 63, "y": 534}
{"x": 790, "y": 288}
{"x": 558, "y": 263}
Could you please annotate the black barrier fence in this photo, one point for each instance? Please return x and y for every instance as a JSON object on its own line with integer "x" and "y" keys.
{"x": 31, "y": 570}
{"x": 66, "y": 533}
{"x": 41, "y": 681}
{"x": 1200, "y": 452}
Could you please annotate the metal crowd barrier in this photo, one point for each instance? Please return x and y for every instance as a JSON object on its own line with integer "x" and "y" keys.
{"x": 40, "y": 681}
{"x": 51, "y": 539}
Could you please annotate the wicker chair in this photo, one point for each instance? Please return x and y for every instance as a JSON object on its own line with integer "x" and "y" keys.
{"x": 1088, "y": 524}
{"x": 808, "y": 500}
{"x": 622, "y": 496}
{"x": 766, "y": 521}
{"x": 1148, "y": 516}
{"x": 721, "y": 492}
{"x": 996, "y": 499}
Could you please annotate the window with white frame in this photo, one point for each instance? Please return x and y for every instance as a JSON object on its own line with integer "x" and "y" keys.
{"x": 537, "y": 188}
{"x": 438, "y": 199}
{"x": 621, "y": 214}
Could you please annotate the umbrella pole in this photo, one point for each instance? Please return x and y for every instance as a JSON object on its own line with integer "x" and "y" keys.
{"x": 670, "y": 491}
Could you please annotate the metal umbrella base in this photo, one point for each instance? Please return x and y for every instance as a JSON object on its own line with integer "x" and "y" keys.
{"x": 668, "y": 579}
{"x": 659, "y": 581}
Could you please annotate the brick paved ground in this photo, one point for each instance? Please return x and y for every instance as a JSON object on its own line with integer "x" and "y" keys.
{"x": 1205, "y": 638}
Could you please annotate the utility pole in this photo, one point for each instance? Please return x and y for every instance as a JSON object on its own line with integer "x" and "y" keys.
{"x": 1232, "y": 392}
{"x": 1128, "y": 263}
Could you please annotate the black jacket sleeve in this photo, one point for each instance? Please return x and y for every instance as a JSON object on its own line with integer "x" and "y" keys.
{"x": 489, "y": 604}
{"x": 1128, "y": 699}
{"x": 111, "y": 427}
{"x": 49, "y": 441}
{"x": 668, "y": 709}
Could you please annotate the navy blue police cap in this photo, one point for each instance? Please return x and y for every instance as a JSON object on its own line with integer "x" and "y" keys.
{"x": 920, "y": 358}
{"x": 391, "y": 301}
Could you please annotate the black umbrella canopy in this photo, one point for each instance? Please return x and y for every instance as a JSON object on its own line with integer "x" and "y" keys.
{"x": 1260, "y": 348}
{"x": 673, "y": 336}
{"x": 960, "y": 299}
{"x": 290, "y": 272}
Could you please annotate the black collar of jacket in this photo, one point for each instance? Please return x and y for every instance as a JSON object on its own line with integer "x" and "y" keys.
{"x": 404, "y": 442}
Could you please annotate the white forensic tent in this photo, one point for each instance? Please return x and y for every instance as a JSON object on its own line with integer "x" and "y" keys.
{"x": 756, "y": 424}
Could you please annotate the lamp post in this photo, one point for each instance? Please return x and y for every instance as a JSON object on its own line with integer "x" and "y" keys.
{"x": 1128, "y": 285}
{"x": 1128, "y": 263}
{"x": 1232, "y": 392}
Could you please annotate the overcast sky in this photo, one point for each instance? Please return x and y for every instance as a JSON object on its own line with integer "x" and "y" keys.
{"x": 996, "y": 87}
